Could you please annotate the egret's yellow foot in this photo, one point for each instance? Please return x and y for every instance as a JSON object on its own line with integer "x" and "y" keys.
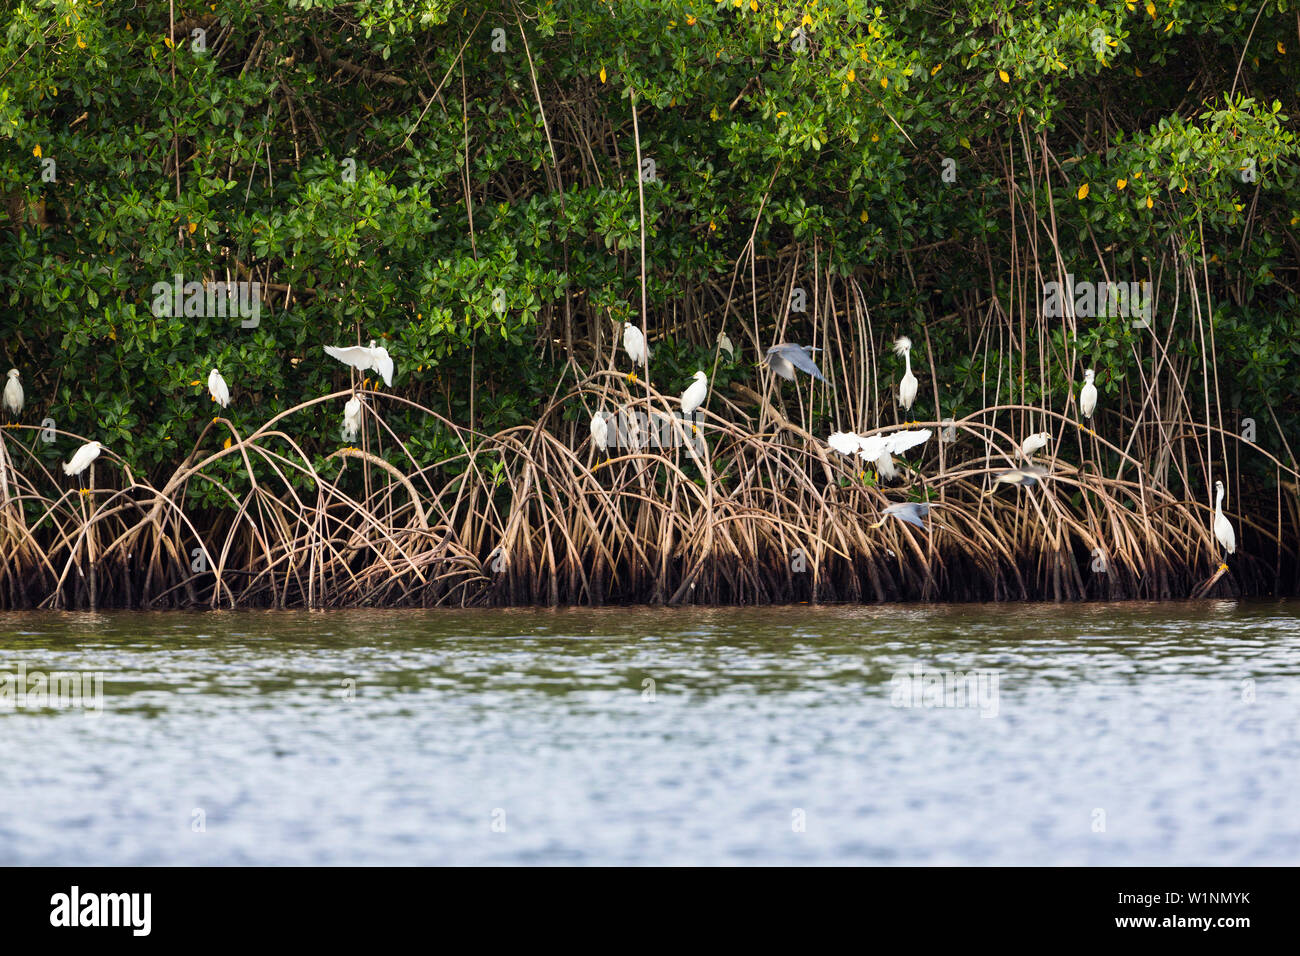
{"x": 631, "y": 376}
{"x": 84, "y": 491}
{"x": 1223, "y": 567}
{"x": 215, "y": 420}
{"x": 878, "y": 523}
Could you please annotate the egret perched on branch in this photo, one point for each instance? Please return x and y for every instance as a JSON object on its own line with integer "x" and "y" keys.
{"x": 1034, "y": 443}
{"x": 695, "y": 393}
{"x": 1222, "y": 526}
{"x": 218, "y": 389}
{"x": 365, "y": 359}
{"x": 13, "y": 394}
{"x": 1088, "y": 395}
{"x": 82, "y": 458}
{"x": 907, "y": 387}
{"x": 600, "y": 433}
{"x": 635, "y": 346}
{"x": 910, "y": 511}
{"x": 1025, "y": 477}
{"x": 352, "y": 419}
{"x": 784, "y": 357}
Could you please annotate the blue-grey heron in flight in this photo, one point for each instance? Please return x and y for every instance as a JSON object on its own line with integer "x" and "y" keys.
{"x": 785, "y": 357}
{"x": 910, "y": 511}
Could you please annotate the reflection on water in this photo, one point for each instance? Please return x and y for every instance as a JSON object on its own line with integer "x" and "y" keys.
{"x": 1107, "y": 734}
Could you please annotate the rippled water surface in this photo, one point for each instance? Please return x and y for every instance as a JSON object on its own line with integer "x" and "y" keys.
{"x": 1099, "y": 734}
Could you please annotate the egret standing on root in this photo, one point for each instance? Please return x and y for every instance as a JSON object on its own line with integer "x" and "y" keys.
{"x": 634, "y": 345}
{"x": 600, "y": 434}
{"x": 365, "y": 359}
{"x": 694, "y": 396}
{"x": 352, "y": 419}
{"x": 218, "y": 389}
{"x": 13, "y": 394}
{"x": 1222, "y": 526}
{"x": 82, "y": 458}
{"x": 907, "y": 387}
{"x": 1088, "y": 395}
{"x": 784, "y": 357}
{"x": 1034, "y": 444}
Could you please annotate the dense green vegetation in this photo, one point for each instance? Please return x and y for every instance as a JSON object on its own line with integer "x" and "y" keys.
{"x": 460, "y": 180}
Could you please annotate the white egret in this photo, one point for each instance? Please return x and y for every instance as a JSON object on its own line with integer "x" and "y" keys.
{"x": 82, "y": 459}
{"x": 695, "y": 393}
{"x": 910, "y": 511}
{"x": 907, "y": 387}
{"x": 600, "y": 431}
{"x": 1025, "y": 477}
{"x": 635, "y": 346}
{"x": 1088, "y": 395}
{"x": 218, "y": 389}
{"x": 1222, "y": 526}
{"x": 352, "y": 419}
{"x": 13, "y": 394}
{"x": 1034, "y": 443}
{"x": 846, "y": 443}
{"x": 879, "y": 449}
{"x": 365, "y": 359}
{"x": 784, "y": 357}
{"x": 726, "y": 345}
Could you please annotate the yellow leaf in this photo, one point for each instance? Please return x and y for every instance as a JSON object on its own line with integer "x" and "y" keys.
{"x": 852, "y": 76}
{"x": 81, "y": 43}
{"x": 806, "y": 21}
{"x": 1149, "y": 202}
{"x": 192, "y": 227}
{"x": 713, "y": 113}
{"x": 226, "y": 443}
{"x": 875, "y": 137}
{"x": 964, "y": 141}
{"x": 884, "y": 82}
{"x": 602, "y": 74}
{"x": 36, "y": 150}
{"x": 753, "y": 5}
{"x": 1004, "y": 76}
{"x": 1281, "y": 47}
{"x": 1083, "y": 191}
{"x": 1120, "y": 184}
{"x": 1136, "y": 71}
{"x": 1151, "y": 9}
{"x": 863, "y": 217}
{"x": 936, "y": 69}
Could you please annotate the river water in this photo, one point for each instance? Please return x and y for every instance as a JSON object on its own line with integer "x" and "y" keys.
{"x": 938, "y": 734}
